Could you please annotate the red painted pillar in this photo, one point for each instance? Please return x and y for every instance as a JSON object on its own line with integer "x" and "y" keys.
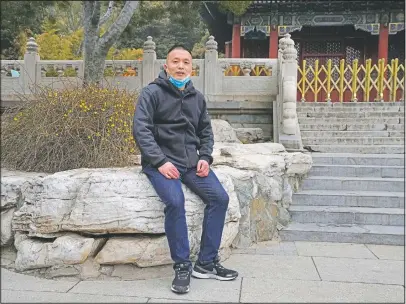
{"x": 236, "y": 42}
{"x": 273, "y": 42}
{"x": 383, "y": 42}
{"x": 383, "y": 52}
{"x": 226, "y": 49}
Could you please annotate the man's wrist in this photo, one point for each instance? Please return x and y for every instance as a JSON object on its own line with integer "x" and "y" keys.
{"x": 206, "y": 158}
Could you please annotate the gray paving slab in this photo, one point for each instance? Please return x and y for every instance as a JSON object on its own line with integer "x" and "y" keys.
{"x": 209, "y": 290}
{"x": 13, "y": 296}
{"x": 154, "y": 300}
{"x": 268, "y": 290}
{"x": 336, "y": 250}
{"x": 388, "y": 252}
{"x": 16, "y": 281}
{"x": 360, "y": 270}
{"x": 281, "y": 267}
{"x": 269, "y": 247}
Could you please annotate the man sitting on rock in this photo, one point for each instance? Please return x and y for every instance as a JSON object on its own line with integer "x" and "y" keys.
{"x": 173, "y": 131}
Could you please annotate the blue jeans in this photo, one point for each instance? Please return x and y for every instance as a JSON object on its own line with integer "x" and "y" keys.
{"x": 210, "y": 190}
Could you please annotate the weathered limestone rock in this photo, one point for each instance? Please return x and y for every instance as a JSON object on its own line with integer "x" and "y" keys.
{"x": 223, "y": 131}
{"x": 139, "y": 250}
{"x": 249, "y": 135}
{"x": 6, "y": 232}
{"x": 66, "y": 250}
{"x": 103, "y": 201}
{"x": 11, "y": 182}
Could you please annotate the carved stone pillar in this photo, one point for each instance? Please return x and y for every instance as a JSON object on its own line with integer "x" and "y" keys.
{"x": 148, "y": 61}
{"x": 31, "y": 57}
{"x": 289, "y": 65}
{"x": 210, "y": 67}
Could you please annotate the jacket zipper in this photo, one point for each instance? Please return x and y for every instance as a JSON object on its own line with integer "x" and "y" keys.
{"x": 184, "y": 135}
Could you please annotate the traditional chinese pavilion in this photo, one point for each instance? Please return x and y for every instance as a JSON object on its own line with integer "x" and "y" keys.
{"x": 321, "y": 29}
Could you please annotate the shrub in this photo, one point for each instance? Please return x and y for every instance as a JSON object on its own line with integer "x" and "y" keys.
{"x": 68, "y": 129}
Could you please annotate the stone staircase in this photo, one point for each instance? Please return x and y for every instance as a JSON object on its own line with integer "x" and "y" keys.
{"x": 376, "y": 127}
{"x": 357, "y": 193}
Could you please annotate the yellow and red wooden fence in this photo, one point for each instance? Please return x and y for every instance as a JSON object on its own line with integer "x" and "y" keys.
{"x": 351, "y": 82}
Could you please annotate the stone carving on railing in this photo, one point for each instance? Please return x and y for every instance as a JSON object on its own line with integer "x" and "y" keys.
{"x": 50, "y": 68}
{"x": 289, "y": 50}
{"x": 268, "y": 67}
{"x": 247, "y": 67}
{"x": 211, "y": 44}
{"x": 149, "y": 45}
{"x": 32, "y": 46}
{"x": 122, "y": 68}
{"x": 8, "y": 65}
{"x": 224, "y": 66}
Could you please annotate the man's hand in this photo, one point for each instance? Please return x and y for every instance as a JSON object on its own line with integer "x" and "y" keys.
{"x": 169, "y": 171}
{"x": 202, "y": 168}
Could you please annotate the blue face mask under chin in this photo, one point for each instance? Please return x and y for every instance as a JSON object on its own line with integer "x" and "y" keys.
{"x": 179, "y": 83}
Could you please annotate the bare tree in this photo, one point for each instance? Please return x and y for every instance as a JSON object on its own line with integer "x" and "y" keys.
{"x": 96, "y": 47}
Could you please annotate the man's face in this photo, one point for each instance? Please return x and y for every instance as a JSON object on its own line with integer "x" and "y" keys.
{"x": 179, "y": 64}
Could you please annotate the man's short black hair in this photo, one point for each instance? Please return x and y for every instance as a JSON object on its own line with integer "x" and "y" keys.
{"x": 178, "y": 47}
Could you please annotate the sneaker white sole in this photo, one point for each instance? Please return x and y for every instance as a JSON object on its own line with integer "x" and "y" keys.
{"x": 176, "y": 291}
{"x": 210, "y": 276}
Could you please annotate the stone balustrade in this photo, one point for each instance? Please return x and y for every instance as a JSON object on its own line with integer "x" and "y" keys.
{"x": 262, "y": 89}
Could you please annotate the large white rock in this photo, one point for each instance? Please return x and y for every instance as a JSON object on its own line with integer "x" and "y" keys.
{"x": 249, "y": 135}
{"x": 11, "y": 182}
{"x": 223, "y": 131}
{"x": 66, "y": 250}
{"x": 99, "y": 201}
{"x": 6, "y": 232}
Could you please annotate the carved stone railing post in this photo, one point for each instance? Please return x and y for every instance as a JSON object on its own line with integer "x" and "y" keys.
{"x": 29, "y": 73}
{"x": 210, "y": 66}
{"x": 290, "y": 131}
{"x": 148, "y": 61}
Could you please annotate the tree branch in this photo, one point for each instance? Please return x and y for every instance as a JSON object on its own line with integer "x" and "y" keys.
{"x": 96, "y": 14}
{"x": 119, "y": 25}
{"x": 107, "y": 14}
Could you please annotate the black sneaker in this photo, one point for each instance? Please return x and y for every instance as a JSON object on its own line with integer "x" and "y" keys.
{"x": 213, "y": 270}
{"x": 181, "y": 282}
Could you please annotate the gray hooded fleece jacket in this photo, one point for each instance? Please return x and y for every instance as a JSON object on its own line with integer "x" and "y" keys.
{"x": 172, "y": 125}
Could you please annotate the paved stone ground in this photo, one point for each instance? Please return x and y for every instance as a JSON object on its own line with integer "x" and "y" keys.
{"x": 269, "y": 272}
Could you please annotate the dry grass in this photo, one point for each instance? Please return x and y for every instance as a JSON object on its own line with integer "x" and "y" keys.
{"x": 70, "y": 128}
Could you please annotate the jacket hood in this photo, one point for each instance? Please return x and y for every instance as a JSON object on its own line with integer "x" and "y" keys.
{"x": 163, "y": 81}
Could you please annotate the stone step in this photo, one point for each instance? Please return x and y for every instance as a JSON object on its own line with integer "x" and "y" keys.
{"x": 372, "y": 149}
{"x": 353, "y": 141}
{"x": 361, "y": 234}
{"x": 347, "y": 215}
{"x": 358, "y": 159}
{"x": 357, "y": 171}
{"x": 396, "y": 127}
{"x": 373, "y": 199}
{"x": 348, "y": 109}
{"x": 348, "y": 121}
{"x": 352, "y": 115}
{"x": 325, "y": 126}
{"x": 350, "y": 104}
{"x": 312, "y": 134}
{"x": 353, "y": 183}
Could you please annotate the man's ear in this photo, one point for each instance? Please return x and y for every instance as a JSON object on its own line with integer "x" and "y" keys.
{"x": 165, "y": 66}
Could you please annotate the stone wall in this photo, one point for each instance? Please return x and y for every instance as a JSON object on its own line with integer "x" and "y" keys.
{"x": 81, "y": 222}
